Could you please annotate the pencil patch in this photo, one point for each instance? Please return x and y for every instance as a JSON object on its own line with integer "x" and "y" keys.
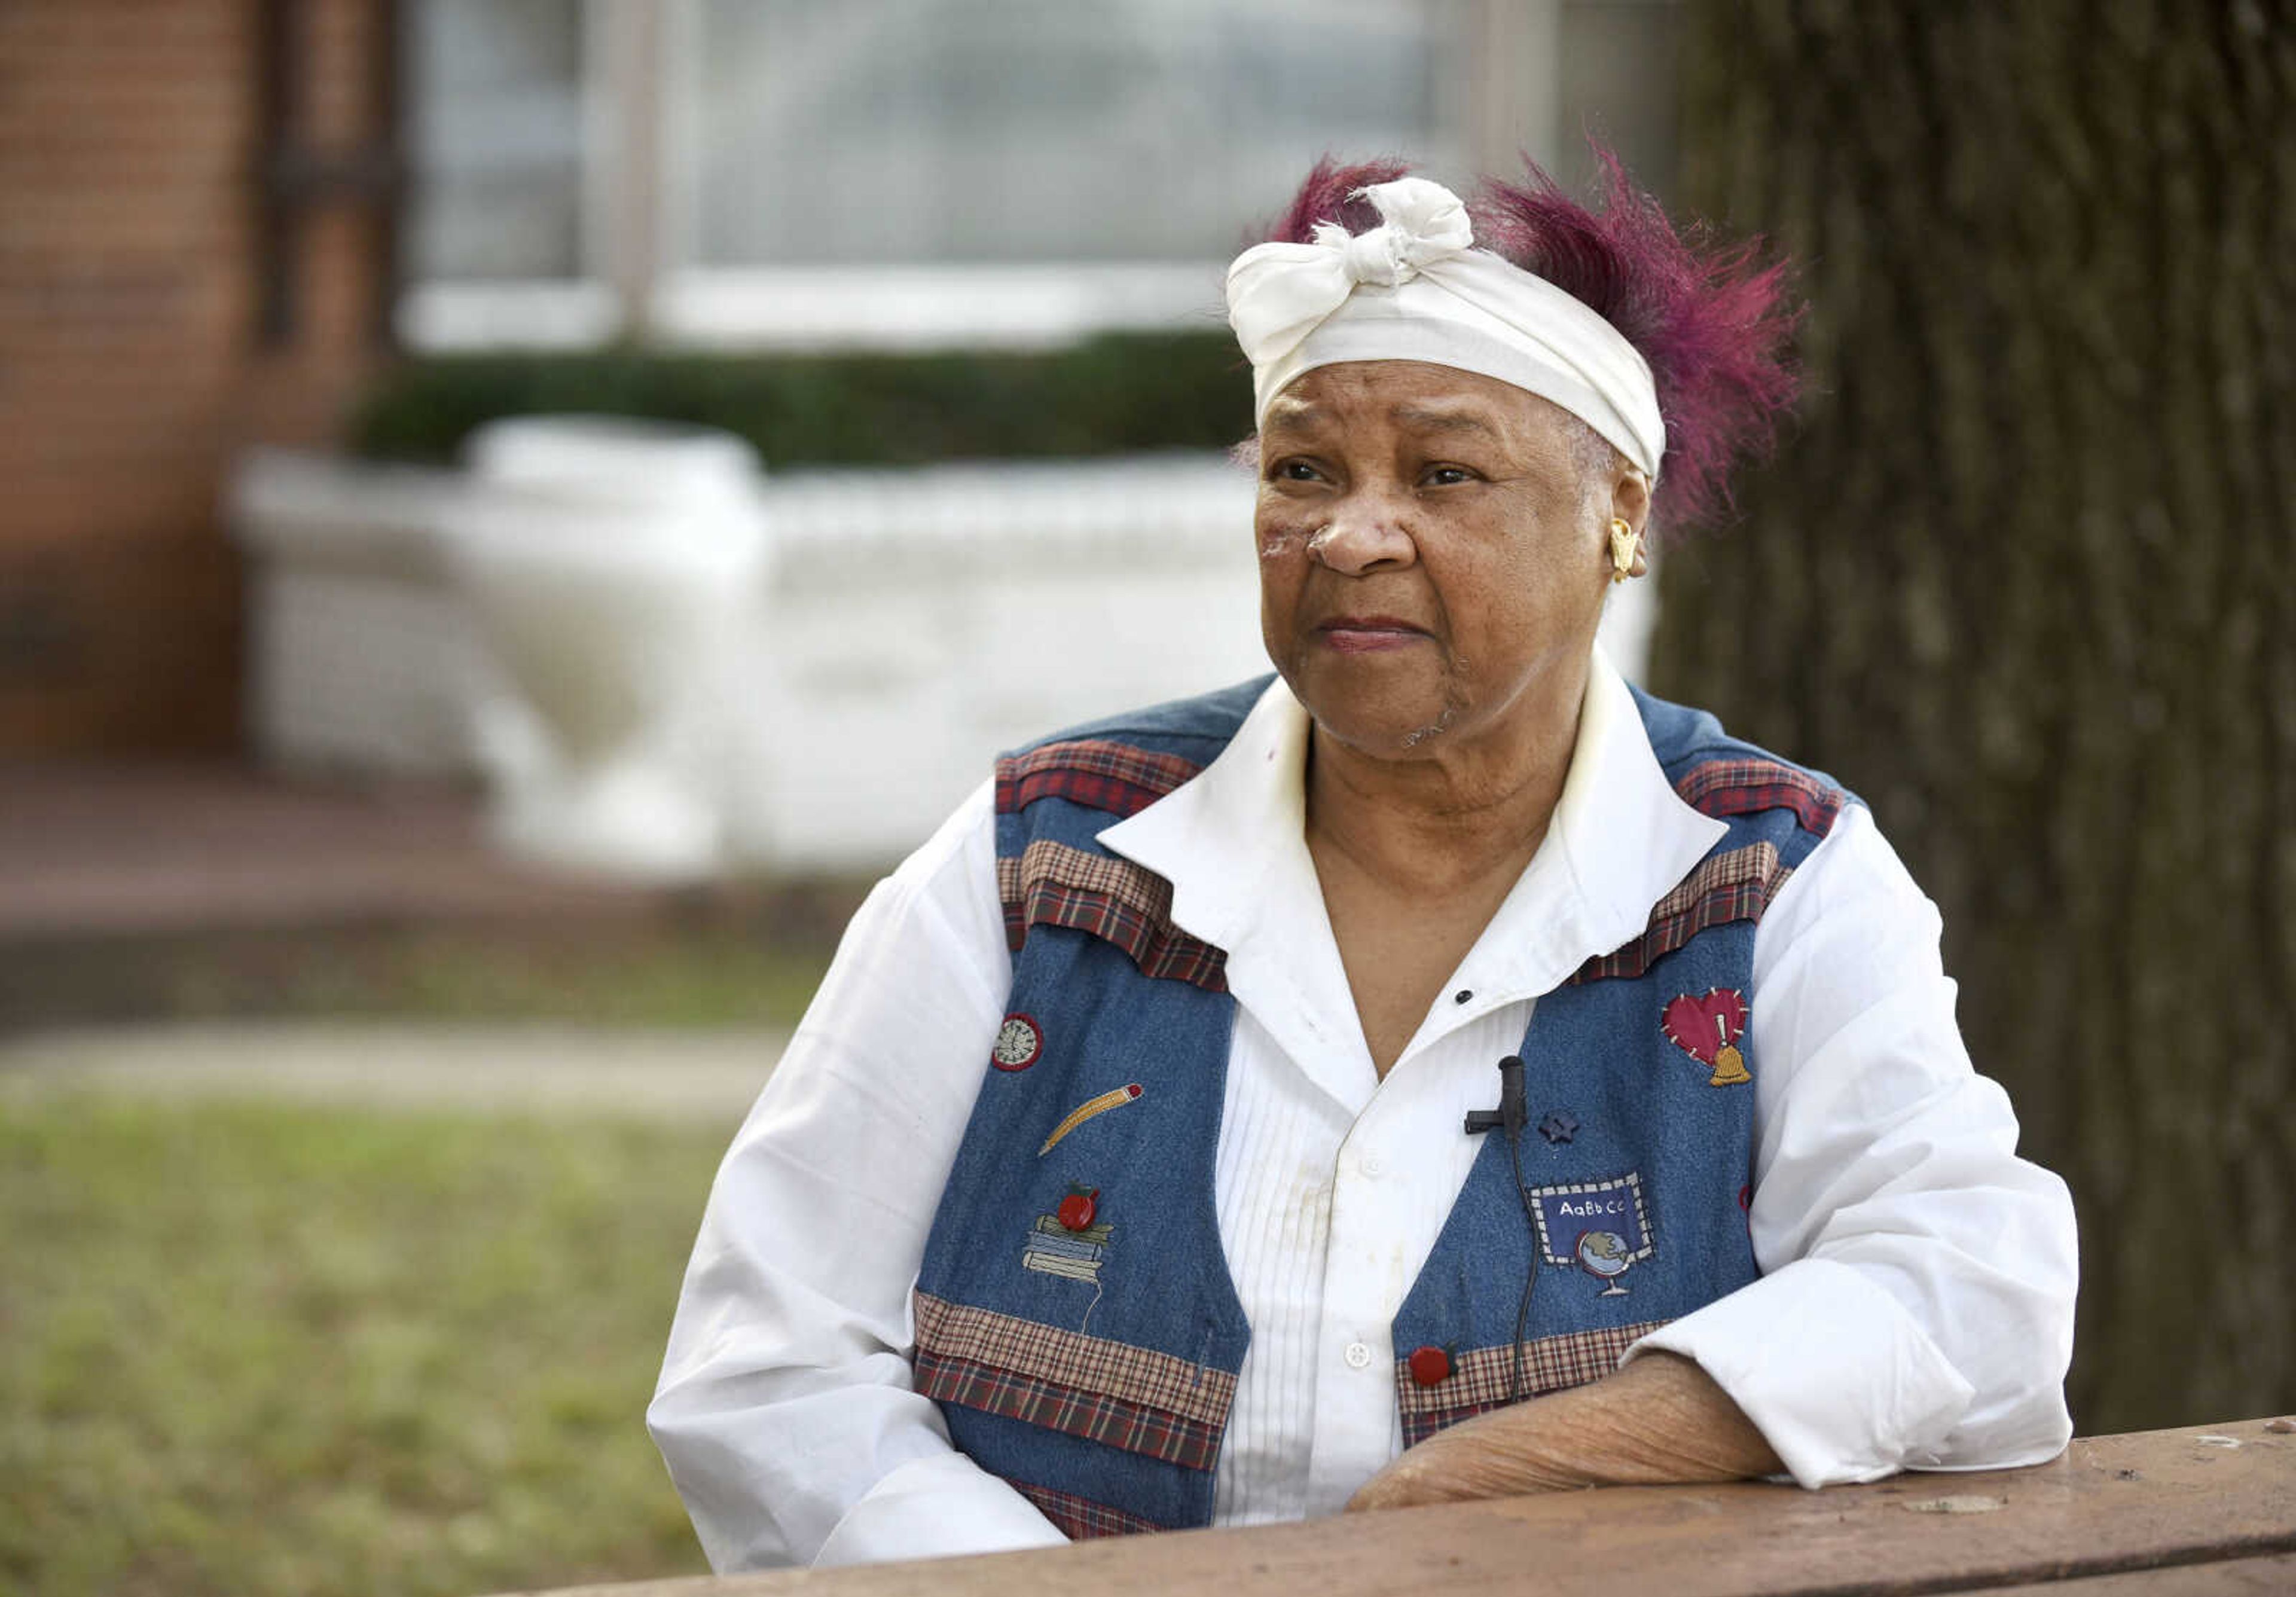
{"x": 1127, "y": 1094}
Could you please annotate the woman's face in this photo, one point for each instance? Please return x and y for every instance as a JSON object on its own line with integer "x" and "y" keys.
{"x": 1432, "y": 553}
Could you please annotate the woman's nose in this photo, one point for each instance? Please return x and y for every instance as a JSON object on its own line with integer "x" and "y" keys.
{"x": 1366, "y": 533}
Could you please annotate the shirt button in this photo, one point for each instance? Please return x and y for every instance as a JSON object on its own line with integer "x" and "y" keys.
{"x": 1373, "y": 1164}
{"x": 1358, "y": 1355}
{"x": 1462, "y": 995}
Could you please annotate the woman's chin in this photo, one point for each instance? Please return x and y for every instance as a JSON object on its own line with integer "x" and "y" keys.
{"x": 1384, "y": 730}
{"x": 1387, "y": 703}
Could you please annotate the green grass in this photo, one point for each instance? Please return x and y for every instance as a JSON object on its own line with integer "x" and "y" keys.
{"x": 707, "y": 977}
{"x": 704, "y": 983}
{"x": 252, "y": 1348}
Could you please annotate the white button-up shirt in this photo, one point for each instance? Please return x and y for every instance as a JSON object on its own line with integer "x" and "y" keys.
{"x": 1915, "y": 1305}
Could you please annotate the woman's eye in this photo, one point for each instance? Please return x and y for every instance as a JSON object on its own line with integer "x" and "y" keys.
{"x": 1446, "y": 476}
{"x": 1296, "y": 471}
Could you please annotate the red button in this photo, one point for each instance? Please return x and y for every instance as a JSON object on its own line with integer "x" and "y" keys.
{"x": 1430, "y": 1366}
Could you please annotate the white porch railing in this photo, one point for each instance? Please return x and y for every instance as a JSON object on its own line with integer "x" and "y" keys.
{"x": 915, "y": 622}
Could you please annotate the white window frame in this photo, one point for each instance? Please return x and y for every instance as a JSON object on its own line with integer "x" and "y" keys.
{"x": 636, "y": 189}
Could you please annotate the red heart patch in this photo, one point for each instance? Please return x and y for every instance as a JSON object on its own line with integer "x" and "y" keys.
{"x": 1701, "y": 1028}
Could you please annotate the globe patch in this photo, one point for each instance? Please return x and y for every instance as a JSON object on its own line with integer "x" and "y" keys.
{"x": 1598, "y": 1226}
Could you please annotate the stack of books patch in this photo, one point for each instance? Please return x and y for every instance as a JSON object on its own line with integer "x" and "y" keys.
{"x": 1056, "y": 1251}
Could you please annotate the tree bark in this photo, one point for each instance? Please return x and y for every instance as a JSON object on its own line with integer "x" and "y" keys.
{"x": 2023, "y": 577}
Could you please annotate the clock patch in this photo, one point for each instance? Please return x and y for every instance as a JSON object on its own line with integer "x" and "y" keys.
{"x": 1020, "y": 1042}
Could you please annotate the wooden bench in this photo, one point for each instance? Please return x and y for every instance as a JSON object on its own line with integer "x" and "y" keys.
{"x": 2208, "y": 1511}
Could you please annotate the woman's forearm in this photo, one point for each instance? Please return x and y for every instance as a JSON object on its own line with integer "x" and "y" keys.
{"x": 1659, "y": 1421}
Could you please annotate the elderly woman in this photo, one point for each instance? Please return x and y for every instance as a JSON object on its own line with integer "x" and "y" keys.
{"x": 1439, "y": 1071}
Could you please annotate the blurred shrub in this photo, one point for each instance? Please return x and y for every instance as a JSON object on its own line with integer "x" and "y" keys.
{"x": 1114, "y": 394}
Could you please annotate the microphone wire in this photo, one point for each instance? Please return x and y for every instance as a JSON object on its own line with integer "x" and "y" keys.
{"x": 1530, "y": 1274}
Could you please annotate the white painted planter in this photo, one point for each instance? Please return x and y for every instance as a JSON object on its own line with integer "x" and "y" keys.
{"x": 915, "y": 622}
{"x": 614, "y": 568}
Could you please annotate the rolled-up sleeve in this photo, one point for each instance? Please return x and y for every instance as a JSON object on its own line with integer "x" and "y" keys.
{"x": 1916, "y": 1306}
{"x": 786, "y": 1409}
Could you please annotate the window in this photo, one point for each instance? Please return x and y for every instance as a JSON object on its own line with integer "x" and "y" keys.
{"x": 500, "y": 143}
{"x": 794, "y": 173}
{"x": 501, "y": 139}
{"x": 1039, "y": 130}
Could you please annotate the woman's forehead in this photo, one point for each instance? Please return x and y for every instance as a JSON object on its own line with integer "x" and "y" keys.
{"x": 1413, "y": 396}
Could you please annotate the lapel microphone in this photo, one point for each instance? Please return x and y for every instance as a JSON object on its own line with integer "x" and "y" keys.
{"x": 1511, "y": 1116}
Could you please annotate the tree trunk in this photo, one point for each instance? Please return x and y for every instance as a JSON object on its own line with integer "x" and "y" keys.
{"x": 2024, "y": 579}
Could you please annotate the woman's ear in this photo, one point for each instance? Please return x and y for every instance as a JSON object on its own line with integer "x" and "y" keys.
{"x": 1630, "y": 502}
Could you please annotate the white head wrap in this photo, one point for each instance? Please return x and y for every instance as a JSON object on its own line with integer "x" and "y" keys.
{"x": 1413, "y": 289}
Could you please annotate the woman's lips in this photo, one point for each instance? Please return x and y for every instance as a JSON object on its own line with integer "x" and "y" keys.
{"x": 1368, "y": 634}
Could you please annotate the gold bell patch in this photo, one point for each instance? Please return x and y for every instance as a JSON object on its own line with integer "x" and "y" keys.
{"x": 1708, "y": 1029}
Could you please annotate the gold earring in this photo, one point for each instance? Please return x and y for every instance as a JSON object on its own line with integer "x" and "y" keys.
{"x": 1622, "y": 548}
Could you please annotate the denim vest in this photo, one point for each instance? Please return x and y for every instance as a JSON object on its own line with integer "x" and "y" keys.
{"x": 1075, "y": 1318}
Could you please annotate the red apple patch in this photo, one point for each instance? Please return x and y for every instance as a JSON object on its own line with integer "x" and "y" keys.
{"x": 1079, "y": 1208}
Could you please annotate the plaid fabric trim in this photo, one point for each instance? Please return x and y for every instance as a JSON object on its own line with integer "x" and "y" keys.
{"x": 1740, "y": 787}
{"x": 1117, "y": 1370}
{"x": 1481, "y": 1380}
{"x": 1052, "y": 884}
{"x": 1087, "y": 1387}
{"x": 1736, "y": 886}
{"x": 1104, "y": 1392}
{"x": 1080, "y": 1519}
{"x": 1115, "y": 777}
{"x": 1092, "y": 1415}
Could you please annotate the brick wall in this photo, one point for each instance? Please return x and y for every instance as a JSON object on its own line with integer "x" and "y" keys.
{"x": 131, "y": 366}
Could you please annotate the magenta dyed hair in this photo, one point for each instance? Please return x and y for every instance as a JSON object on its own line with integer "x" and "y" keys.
{"x": 1712, "y": 319}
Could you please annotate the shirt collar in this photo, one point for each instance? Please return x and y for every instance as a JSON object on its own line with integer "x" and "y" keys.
{"x": 1232, "y": 842}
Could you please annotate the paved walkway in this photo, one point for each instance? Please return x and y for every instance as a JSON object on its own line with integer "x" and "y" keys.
{"x": 101, "y": 857}
{"x": 678, "y": 1075}
{"x": 92, "y": 849}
